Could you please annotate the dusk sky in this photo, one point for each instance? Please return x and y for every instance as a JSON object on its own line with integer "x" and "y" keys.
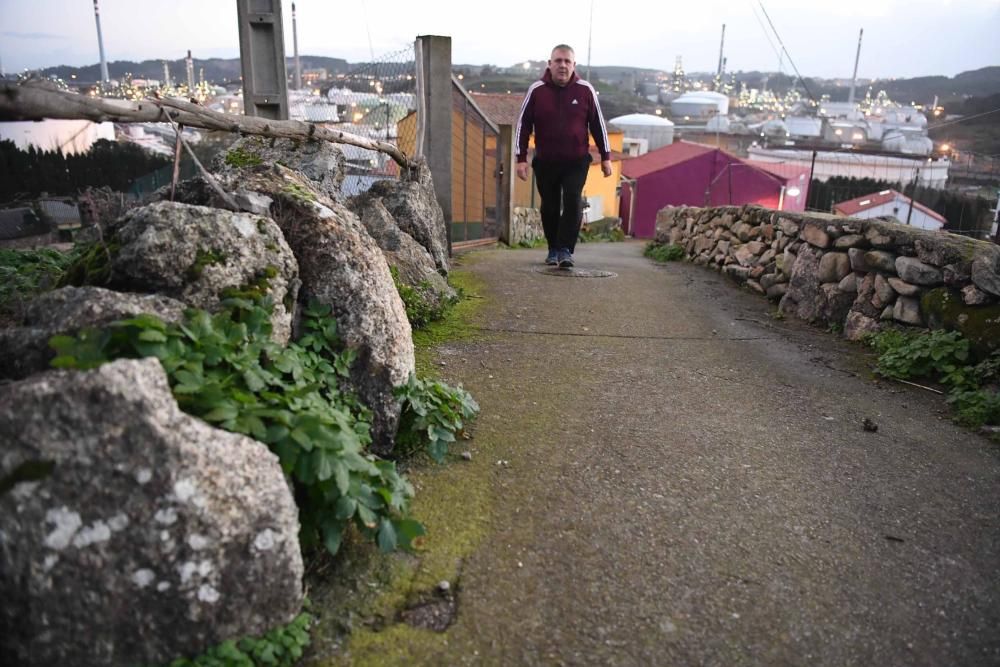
{"x": 902, "y": 39}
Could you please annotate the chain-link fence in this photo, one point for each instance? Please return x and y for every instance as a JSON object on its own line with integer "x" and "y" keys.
{"x": 376, "y": 100}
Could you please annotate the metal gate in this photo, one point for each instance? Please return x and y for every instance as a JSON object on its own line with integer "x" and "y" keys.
{"x": 475, "y": 173}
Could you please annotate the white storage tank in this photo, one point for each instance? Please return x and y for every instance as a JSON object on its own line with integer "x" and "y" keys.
{"x": 897, "y": 141}
{"x": 700, "y": 104}
{"x": 657, "y": 131}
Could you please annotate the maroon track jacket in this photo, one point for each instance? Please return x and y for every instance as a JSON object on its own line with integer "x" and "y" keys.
{"x": 560, "y": 118}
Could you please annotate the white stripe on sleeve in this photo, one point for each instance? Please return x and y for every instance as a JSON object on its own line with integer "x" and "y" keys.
{"x": 600, "y": 116}
{"x": 520, "y": 116}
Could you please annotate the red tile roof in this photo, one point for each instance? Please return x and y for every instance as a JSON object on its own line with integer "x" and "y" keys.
{"x": 668, "y": 156}
{"x": 865, "y": 202}
{"x": 501, "y": 108}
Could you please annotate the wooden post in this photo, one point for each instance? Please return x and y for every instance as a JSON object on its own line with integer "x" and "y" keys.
{"x": 505, "y": 192}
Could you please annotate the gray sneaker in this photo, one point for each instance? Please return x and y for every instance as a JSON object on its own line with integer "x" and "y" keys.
{"x": 552, "y": 259}
{"x": 565, "y": 258}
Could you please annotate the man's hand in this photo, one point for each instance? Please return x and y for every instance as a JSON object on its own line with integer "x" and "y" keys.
{"x": 606, "y": 168}
{"x": 522, "y": 170}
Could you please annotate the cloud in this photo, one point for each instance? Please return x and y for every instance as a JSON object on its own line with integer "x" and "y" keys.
{"x": 33, "y": 35}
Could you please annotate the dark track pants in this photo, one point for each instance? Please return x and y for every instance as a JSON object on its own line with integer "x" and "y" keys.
{"x": 560, "y": 185}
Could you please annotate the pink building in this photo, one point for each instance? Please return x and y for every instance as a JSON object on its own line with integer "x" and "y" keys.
{"x": 687, "y": 174}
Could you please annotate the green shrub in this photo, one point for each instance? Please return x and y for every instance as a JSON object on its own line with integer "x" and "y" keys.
{"x": 939, "y": 355}
{"x": 975, "y": 407}
{"x": 944, "y": 357}
{"x": 422, "y": 305}
{"x": 665, "y": 252}
{"x": 281, "y": 647}
{"x": 433, "y": 412}
{"x": 613, "y": 235}
{"x": 26, "y": 273}
{"x": 225, "y": 369}
{"x": 538, "y": 242}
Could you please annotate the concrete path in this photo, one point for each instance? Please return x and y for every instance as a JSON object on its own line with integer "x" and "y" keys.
{"x": 681, "y": 479}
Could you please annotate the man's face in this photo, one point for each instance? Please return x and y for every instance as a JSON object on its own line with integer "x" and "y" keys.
{"x": 561, "y": 65}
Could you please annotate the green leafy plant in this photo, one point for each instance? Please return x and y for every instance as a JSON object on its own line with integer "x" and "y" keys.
{"x": 536, "y": 242}
{"x": 939, "y": 355}
{"x": 242, "y": 157}
{"x": 225, "y": 369}
{"x": 25, "y": 273}
{"x": 281, "y": 647}
{"x": 433, "y": 413}
{"x": 664, "y": 252}
{"x": 421, "y": 306}
{"x": 944, "y": 357}
{"x": 975, "y": 407}
{"x": 613, "y": 235}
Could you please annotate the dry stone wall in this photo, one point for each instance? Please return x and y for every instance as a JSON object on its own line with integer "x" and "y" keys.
{"x": 526, "y": 226}
{"x": 847, "y": 273}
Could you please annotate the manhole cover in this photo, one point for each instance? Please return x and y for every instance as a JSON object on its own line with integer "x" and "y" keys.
{"x": 575, "y": 272}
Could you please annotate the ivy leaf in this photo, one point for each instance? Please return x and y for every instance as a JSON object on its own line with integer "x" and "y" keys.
{"x": 366, "y": 516}
{"x": 221, "y": 413}
{"x": 341, "y": 477}
{"x": 345, "y": 508}
{"x": 386, "y": 536}
{"x": 407, "y": 530}
{"x": 152, "y": 336}
{"x": 323, "y": 464}
{"x": 64, "y": 361}
{"x": 301, "y": 437}
{"x": 254, "y": 380}
{"x": 333, "y": 532}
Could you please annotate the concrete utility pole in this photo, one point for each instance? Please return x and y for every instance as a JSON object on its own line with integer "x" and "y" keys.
{"x": 854, "y": 78}
{"x": 189, "y": 67}
{"x": 916, "y": 181}
{"x": 590, "y": 37}
{"x": 262, "y": 59}
{"x": 434, "y": 132}
{"x": 295, "y": 46}
{"x": 105, "y": 79}
{"x": 722, "y": 44}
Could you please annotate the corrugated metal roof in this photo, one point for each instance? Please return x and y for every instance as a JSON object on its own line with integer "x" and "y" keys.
{"x": 668, "y": 156}
{"x": 63, "y": 213}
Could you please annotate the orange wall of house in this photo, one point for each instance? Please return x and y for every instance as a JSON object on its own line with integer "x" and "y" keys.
{"x": 406, "y": 130}
{"x": 468, "y": 193}
{"x": 469, "y": 173}
{"x": 596, "y": 183}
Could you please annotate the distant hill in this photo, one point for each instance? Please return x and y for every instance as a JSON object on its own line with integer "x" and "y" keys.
{"x": 922, "y": 89}
{"x": 980, "y": 83}
{"x": 217, "y": 70}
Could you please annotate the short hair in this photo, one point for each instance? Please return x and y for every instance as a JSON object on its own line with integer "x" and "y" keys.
{"x": 562, "y": 47}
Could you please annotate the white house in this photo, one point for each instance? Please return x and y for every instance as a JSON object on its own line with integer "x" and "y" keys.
{"x": 891, "y": 203}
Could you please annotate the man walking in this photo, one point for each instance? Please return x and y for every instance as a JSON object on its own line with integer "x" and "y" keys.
{"x": 560, "y": 109}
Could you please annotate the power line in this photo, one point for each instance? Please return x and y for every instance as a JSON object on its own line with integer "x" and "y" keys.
{"x": 767, "y": 35}
{"x": 783, "y": 48}
{"x": 961, "y": 120}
